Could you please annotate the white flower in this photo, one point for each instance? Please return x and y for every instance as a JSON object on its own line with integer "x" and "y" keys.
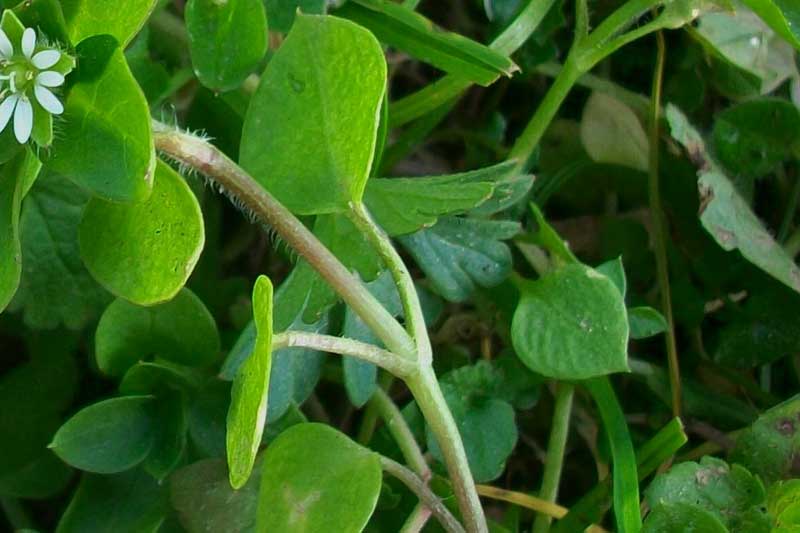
{"x": 27, "y": 74}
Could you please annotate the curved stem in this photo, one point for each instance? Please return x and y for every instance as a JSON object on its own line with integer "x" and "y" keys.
{"x": 342, "y": 346}
{"x": 660, "y": 231}
{"x": 401, "y": 433}
{"x": 417, "y": 519}
{"x": 555, "y": 452}
{"x": 211, "y": 162}
{"x": 418, "y": 487}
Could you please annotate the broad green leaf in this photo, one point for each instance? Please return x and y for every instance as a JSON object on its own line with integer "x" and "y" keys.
{"x": 181, "y": 331}
{"x": 169, "y": 442}
{"x": 45, "y": 15}
{"x": 645, "y": 322}
{"x": 770, "y": 446}
{"x": 726, "y": 215}
{"x": 459, "y": 254}
{"x": 741, "y": 41}
{"x": 310, "y": 131}
{"x": 55, "y": 287}
{"x": 611, "y": 133}
{"x": 783, "y": 16}
{"x": 205, "y": 501}
{"x": 107, "y": 437}
{"x": 680, "y": 517}
{"x": 14, "y": 176}
{"x": 227, "y": 40}
{"x": 783, "y": 504}
{"x": 105, "y": 143}
{"x": 571, "y": 324}
{"x": 412, "y": 33}
{"x": 248, "y": 410}
{"x": 754, "y": 137}
{"x": 731, "y": 493}
{"x": 405, "y": 205}
{"x": 165, "y": 234}
{"x": 316, "y": 479}
{"x": 484, "y": 418}
{"x": 131, "y": 502}
{"x": 281, "y": 13}
{"x": 95, "y": 17}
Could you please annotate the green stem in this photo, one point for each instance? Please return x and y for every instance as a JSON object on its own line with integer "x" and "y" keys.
{"x": 417, "y": 519}
{"x": 555, "y": 452}
{"x": 431, "y": 402}
{"x": 398, "y": 427}
{"x": 342, "y": 346}
{"x": 210, "y": 161}
{"x": 660, "y": 230}
{"x": 405, "y": 284}
{"x": 418, "y": 487}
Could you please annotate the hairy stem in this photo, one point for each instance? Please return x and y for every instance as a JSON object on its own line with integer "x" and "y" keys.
{"x": 418, "y": 487}
{"x": 660, "y": 230}
{"x": 211, "y": 162}
{"x": 342, "y": 346}
{"x": 555, "y": 452}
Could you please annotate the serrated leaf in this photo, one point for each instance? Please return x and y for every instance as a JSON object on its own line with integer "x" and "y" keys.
{"x": 181, "y": 331}
{"x": 403, "y": 28}
{"x": 165, "y": 234}
{"x": 107, "y": 437}
{"x": 459, "y": 254}
{"x": 769, "y": 447}
{"x": 405, "y": 205}
{"x": 726, "y": 215}
{"x": 55, "y": 287}
{"x": 95, "y": 17}
{"x": 247, "y": 413}
{"x": 227, "y": 40}
{"x": 571, "y": 324}
{"x": 335, "y": 488}
{"x": 611, "y": 133}
{"x": 106, "y": 141}
{"x": 645, "y": 322}
{"x": 310, "y": 130}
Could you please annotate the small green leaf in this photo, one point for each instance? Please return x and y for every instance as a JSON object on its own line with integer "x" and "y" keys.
{"x": 731, "y": 493}
{"x": 412, "y": 33}
{"x": 310, "y": 131}
{"x": 46, "y": 15}
{"x": 165, "y": 234}
{"x": 95, "y": 17}
{"x": 132, "y": 502}
{"x": 459, "y": 254}
{"x": 571, "y": 324}
{"x": 783, "y": 16}
{"x": 248, "y": 410}
{"x": 281, "y": 13}
{"x": 13, "y": 179}
{"x": 169, "y": 442}
{"x": 611, "y": 133}
{"x": 783, "y": 504}
{"x": 316, "y": 479}
{"x": 615, "y": 271}
{"x": 753, "y": 138}
{"x": 181, "y": 331}
{"x": 405, "y": 205}
{"x": 645, "y": 322}
{"x": 771, "y": 445}
{"x": 106, "y": 142}
{"x": 548, "y": 238}
{"x": 227, "y": 40}
{"x": 107, "y": 437}
{"x": 681, "y": 517}
{"x": 726, "y": 215}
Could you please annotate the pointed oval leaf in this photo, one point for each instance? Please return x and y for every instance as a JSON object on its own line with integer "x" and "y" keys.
{"x": 107, "y": 437}
{"x": 106, "y": 141}
{"x": 317, "y": 479}
{"x": 123, "y": 20}
{"x": 310, "y": 131}
{"x": 571, "y": 324}
{"x": 227, "y": 40}
{"x": 144, "y": 252}
{"x": 248, "y": 410}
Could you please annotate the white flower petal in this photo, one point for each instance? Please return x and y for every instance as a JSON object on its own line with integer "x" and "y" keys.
{"x": 7, "y": 109}
{"x": 46, "y": 59}
{"x": 28, "y": 42}
{"x": 50, "y": 78}
{"x": 48, "y": 100}
{"x": 6, "y": 49}
{"x": 23, "y": 120}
